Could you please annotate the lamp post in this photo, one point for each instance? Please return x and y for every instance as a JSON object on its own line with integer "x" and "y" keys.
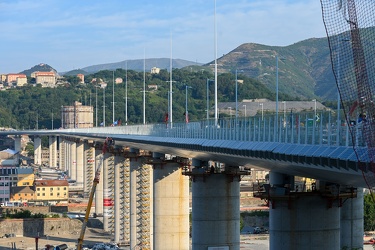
{"x": 96, "y": 105}
{"x": 245, "y": 108}
{"x": 113, "y": 96}
{"x": 52, "y": 120}
{"x": 62, "y": 116}
{"x": 186, "y": 103}
{"x": 103, "y": 106}
{"x": 261, "y": 104}
{"x": 208, "y": 99}
{"x": 126, "y": 93}
{"x": 314, "y": 108}
{"x": 277, "y": 97}
{"x": 144, "y": 87}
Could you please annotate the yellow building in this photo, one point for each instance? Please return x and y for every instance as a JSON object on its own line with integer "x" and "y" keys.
{"x": 51, "y": 191}
{"x": 21, "y": 194}
{"x": 25, "y": 177}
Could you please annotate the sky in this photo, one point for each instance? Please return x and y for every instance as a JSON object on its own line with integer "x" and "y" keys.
{"x": 73, "y": 34}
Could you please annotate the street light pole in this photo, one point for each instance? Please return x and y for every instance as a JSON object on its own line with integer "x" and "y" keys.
{"x": 103, "y": 106}
{"x": 277, "y": 98}
{"x": 186, "y": 104}
{"x": 215, "y": 42}
{"x": 126, "y": 93}
{"x": 113, "y": 96}
{"x": 96, "y": 105}
{"x": 236, "y": 113}
{"x": 144, "y": 87}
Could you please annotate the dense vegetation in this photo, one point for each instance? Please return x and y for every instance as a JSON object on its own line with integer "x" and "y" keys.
{"x": 38, "y": 108}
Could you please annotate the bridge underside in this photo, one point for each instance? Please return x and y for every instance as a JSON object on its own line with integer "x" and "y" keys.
{"x": 332, "y": 164}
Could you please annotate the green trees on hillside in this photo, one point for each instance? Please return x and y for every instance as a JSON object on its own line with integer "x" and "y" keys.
{"x": 38, "y": 108}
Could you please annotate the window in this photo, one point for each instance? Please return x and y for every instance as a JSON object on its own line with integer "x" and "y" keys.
{"x": 43, "y": 194}
{"x": 51, "y": 194}
{"x": 58, "y": 188}
{"x": 38, "y": 194}
{"x": 58, "y": 194}
{"x": 51, "y": 189}
{"x": 64, "y": 188}
{"x": 43, "y": 189}
{"x": 37, "y": 189}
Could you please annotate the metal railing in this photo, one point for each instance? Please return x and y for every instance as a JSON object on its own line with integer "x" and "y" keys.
{"x": 296, "y": 128}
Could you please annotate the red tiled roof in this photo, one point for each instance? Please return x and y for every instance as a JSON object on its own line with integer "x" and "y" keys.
{"x": 51, "y": 183}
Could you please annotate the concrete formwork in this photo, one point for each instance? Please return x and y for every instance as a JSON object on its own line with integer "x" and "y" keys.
{"x": 216, "y": 212}
{"x": 171, "y": 207}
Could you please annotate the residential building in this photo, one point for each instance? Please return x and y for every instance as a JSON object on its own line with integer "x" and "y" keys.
{"x": 77, "y": 116}
{"x": 155, "y": 70}
{"x": 51, "y": 191}
{"x": 22, "y": 194}
{"x": 25, "y": 177}
{"x": 81, "y": 77}
{"x": 46, "y": 79}
{"x": 12, "y": 78}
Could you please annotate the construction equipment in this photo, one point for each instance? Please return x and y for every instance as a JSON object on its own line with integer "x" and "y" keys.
{"x": 106, "y": 144}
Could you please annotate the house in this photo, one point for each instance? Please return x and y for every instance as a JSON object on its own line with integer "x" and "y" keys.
{"x": 21, "y": 194}
{"x": 51, "y": 191}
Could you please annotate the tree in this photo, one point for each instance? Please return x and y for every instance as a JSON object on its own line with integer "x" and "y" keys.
{"x": 369, "y": 212}
{"x": 29, "y": 149}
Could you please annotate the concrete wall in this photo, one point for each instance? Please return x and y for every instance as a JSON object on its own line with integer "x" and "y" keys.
{"x": 31, "y": 227}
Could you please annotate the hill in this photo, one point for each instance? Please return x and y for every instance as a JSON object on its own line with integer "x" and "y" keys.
{"x": 304, "y": 68}
{"x": 40, "y": 67}
{"x": 137, "y": 65}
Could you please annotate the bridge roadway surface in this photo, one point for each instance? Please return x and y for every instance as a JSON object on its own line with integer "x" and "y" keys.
{"x": 332, "y": 163}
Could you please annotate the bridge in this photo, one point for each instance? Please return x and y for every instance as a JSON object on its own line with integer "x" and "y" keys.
{"x": 144, "y": 189}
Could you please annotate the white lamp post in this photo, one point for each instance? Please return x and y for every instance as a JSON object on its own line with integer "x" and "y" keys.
{"x": 284, "y": 102}
{"x": 208, "y": 99}
{"x": 103, "y": 106}
{"x": 261, "y": 104}
{"x": 186, "y": 103}
{"x": 113, "y": 96}
{"x": 245, "y": 108}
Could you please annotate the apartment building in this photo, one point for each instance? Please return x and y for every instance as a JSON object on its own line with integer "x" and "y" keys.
{"x": 46, "y": 79}
{"x": 16, "y": 79}
{"x": 51, "y": 191}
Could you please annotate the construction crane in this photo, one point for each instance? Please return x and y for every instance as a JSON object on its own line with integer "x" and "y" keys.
{"x": 108, "y": 142}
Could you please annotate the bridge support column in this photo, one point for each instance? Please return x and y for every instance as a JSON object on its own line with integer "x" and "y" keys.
{"x": 107, "y": 191}
{"x": 99, "y": 187}
{"x": 37, "y": 150}
{"x": 62, "y": 155}
{"x": 351, "y": 225}
{"x": 52, "y": 151}
{"x": 17, "y": 143}
{"x": 171, "y": 206}
{"x": 135, "y": 164}
{"x": 73, "y": 160}
{"x": 216, "y": 209}
{"x": 80, "y": 163}
{"x": 122, "y": 199}
{"x": 141, "y": 204}
{"x": 89, "y": 169}
{"x": 302, "y": 221}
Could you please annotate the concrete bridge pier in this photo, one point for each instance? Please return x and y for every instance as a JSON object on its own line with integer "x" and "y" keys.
{"x": 351, "y": 224}
{"x": 73, "y": 160}
{"x": 302, "y": 221}
{"x": 52, "y": 147}
{"x": 99, "y": 187}
{"x": 107, "y": 191}
{"x": 80, "y": 146}
{"x": 171, "y": 205}
{"x": 37, "y": 150}
{"x": 17, "y": 143}
{"x": 216, "y": 209}
{"x": 89, "y": 167}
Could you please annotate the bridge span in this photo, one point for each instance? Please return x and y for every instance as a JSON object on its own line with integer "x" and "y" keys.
{"x": 148, "y": 206}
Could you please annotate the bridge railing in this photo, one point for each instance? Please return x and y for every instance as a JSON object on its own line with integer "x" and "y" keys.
{"x": 297, "y": 128}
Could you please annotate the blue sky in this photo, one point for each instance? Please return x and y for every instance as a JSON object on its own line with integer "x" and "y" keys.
{"x": 72, "y": 34}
